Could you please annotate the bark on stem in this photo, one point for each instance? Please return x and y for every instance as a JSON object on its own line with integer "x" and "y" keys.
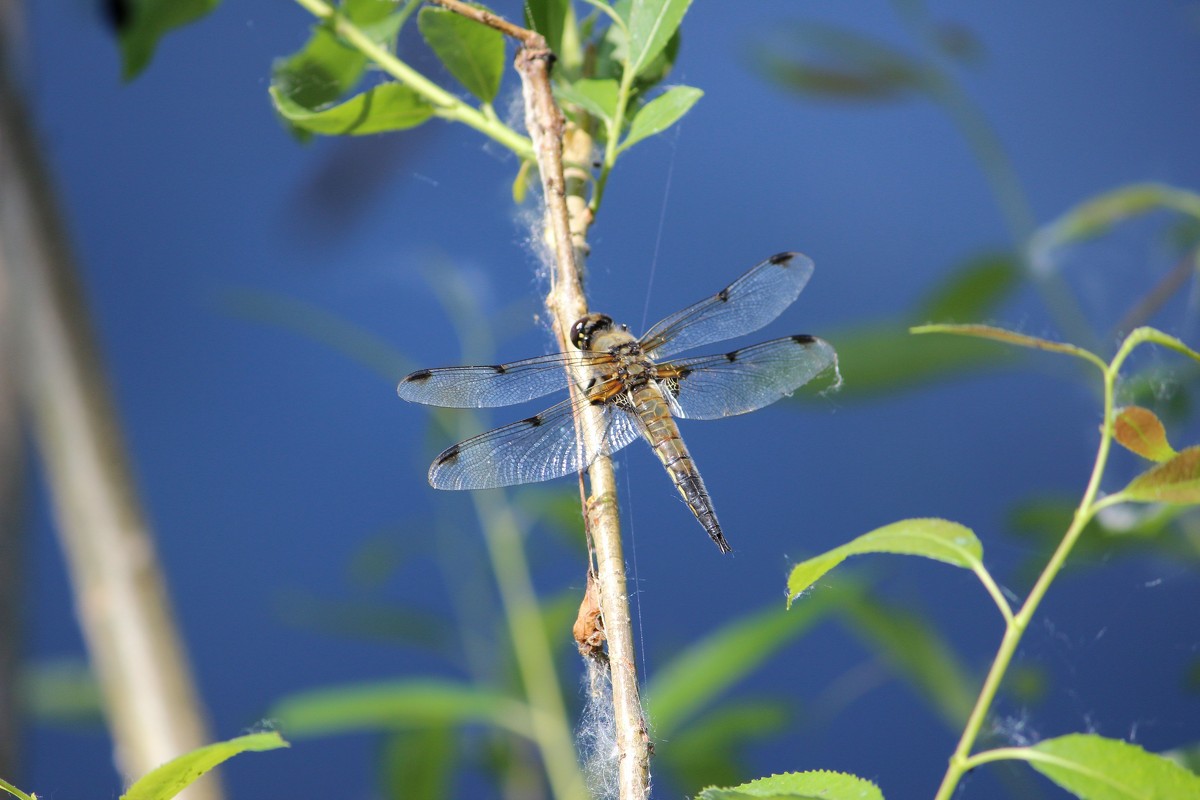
{"x": 120, "y": 595}
{"x": 566, "y": 303}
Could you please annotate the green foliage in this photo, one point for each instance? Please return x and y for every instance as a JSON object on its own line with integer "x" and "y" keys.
{"x": 660, "y": 113}
{"x": 1094, "y": 768}
{"x": 146, "y": 21}
{"x": 550, "y": 18}
{"x": 171, "y": 778}
{"x": 473, "y": 52}
{"x": 684, "y": 685}
{"x": 938, "y": 539}
{"x": 398, "y": 704}
{"x": 419, "y": 765}
{"x": 818, "y": 785}
{"x": 388, "y": 107}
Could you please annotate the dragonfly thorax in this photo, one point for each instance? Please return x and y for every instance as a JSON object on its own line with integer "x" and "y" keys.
{"x": 598, "y": 333}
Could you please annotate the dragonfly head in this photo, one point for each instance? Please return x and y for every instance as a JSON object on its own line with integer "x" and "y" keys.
{"x": 587, "y": 327}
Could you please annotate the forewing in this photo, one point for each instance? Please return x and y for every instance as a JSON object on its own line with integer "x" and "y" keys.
{"x": 711, "y": 387}
{"x": 493, "y": 385}
{"x": 742, "y": 307}
{"x": 534, "y": 449}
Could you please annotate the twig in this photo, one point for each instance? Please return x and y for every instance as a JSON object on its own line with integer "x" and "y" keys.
{"x": 120, "y": 594}
{"x": 566, "y": 303}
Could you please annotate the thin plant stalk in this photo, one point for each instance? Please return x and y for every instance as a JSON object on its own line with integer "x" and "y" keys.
{"x": 962, "y": 760}
{"x": 133, "y": 641}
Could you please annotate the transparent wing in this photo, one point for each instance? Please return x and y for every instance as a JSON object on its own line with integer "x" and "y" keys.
{"x": 534, "y": 449}
{"x": 711, "y": 387}
{"x": 742, "y": 307}
{"x": 493, "y": 385}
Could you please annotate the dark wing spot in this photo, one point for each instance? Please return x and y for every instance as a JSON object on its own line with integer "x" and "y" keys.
{"x": 598, "y": 401}
{"x": 420, "y": 376}
{"x": 781, "y": 258}
{"x": 723, "y": 295}
{"x": 683, "y": 373}
{"x": 500, "y": 369}
{"x": 732, "y": 356}
{"x": 533, "y": 422}
{"x": 803, "y": 338}
{"x": 449, "y": 456}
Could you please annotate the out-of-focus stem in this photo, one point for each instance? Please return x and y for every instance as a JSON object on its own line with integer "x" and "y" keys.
{"x": 120, "y": 595}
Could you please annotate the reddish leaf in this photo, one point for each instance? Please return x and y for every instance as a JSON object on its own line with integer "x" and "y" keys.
{"x": 1139, "y": 430}
{"x": 1174, "y": 481}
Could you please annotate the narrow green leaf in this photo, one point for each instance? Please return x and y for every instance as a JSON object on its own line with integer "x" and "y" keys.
{"x": 596, "y": 96}
{"x": 831, "y": 62}
{"x": 816, "y": 785}
{"x": 387, "y": 107}
{"x": 14, "y": 791}
{"x": 938, "y": 539}
{"x": 680, "y": 688}
{"x": 1011, "y": 337}
{"x": 549, "y": 18}
{"x": 972, "y": 290}
{"x": 146, "y": 21}
{"x": 473, "y": 52}
{"x": 398, "y": 704}
{"x": 163, "y": 783}
{"x": 1138, "y": 429}
{"x": 1097, "y": 215}
{"x": 61, "y": 691}
{"x": 1095, "y": 768}
{"x": 883, "y": 358}
{"x": 915, "y": 650}
{"x": 419, "y": 765}
{"x": 1174, "y": 481}
{"x": 661, "y": 113}
{"x": 706, "y": 751}
{"x": 651, "y": 24}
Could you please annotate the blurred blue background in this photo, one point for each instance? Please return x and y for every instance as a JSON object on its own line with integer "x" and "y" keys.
{"x": 285, "y": 480}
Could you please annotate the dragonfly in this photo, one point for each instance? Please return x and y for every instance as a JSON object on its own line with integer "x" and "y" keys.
{"x": 635, "y": 384}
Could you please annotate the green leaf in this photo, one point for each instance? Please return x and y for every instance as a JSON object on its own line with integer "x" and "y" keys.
{"x": 473, "y": 52}
{"x": 325, "y": 69}
{"x": 938, "y": 539}
{"x": 163, "y": 783}
{"x": 681, "y": 687}
{"x": 661, "y": 113}
{"x": 398, "y": 704}
{"x": 419, "y": 765}
{"x": 817, "y": 785}
{"x": 1138, "y": 429}
{"x": 14, "y": 791}
{"x": 882, "y": 357}
{"x": 1094, "y": 768}
{"x": 147, "y": 21}
{"x": 1173, "y": 481}
{"x": 651, "y": 25}
{"x": 705, "y": 751}
{"x": 825, "y": 61}
{"x": 972, "y": 290}
{"x": 387, "y": 107}
{"x": 61, "y": 691}
{"x": 549, "y": 18}
{"x": 596, "y": 96}
{"x": 1097, "y": 215}
{"x": 912, "y": 647}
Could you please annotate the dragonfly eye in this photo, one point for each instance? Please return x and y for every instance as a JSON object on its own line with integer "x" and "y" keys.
{"x": 585, "y": 328}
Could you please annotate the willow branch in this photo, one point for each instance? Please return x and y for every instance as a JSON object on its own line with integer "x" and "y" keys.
{"x": 120, "y": 594}
{"x": 566, "y": 303}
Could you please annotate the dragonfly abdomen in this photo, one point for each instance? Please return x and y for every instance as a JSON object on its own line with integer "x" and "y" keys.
{"x": 663, "y": 435}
